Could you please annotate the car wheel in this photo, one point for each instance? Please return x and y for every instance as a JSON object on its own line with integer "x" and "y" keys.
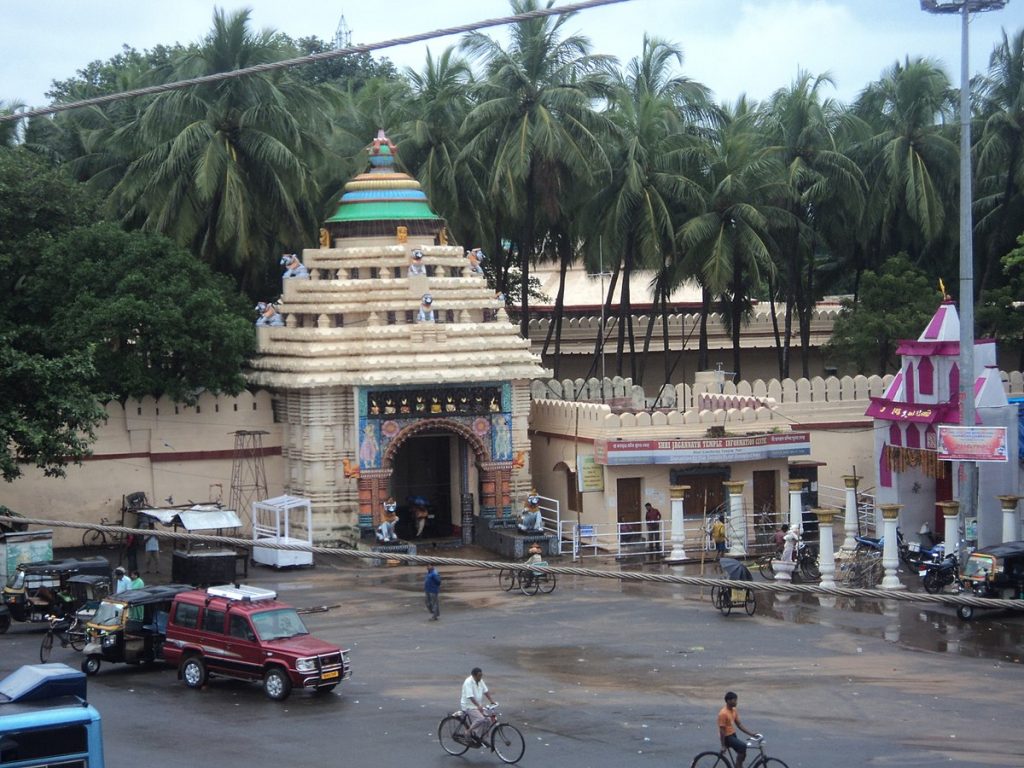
{"x": 276, "y": 684}
{"x": 193, "y": 672}
{"x": 91, "y": 665}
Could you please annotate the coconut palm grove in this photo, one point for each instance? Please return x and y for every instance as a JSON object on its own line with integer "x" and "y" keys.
{"x": 136, "y": 236}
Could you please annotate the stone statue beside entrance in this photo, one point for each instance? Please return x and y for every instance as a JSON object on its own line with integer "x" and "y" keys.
{"x": 386, "y": 530}
{"x": 530, "y": 520}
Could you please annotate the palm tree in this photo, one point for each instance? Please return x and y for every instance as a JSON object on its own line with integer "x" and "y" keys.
{"x": 638, "y": 211}
{"x": 9, "y": 129}
{"x": 910, "y": 161}
{"x": 1000, "y": 152}
{"x": 432, "y": 146}
{"x": 728, "y": 243}
{"x": 535, "y": 117}
{"x": 226, "y": 167}
{"x": 800, "y": 128}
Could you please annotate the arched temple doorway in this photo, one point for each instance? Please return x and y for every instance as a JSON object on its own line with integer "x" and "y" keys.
{"x": 445, "y": 466}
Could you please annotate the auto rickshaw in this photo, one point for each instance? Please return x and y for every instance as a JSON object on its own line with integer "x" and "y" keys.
{"x": 87, "y": 590}
{"x": 129, "y": 627}
{"x": 38, "y": 590}
{"x": 996, "y": 572}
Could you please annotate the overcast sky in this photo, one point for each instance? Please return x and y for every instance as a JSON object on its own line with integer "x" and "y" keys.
{"x": 732, "y": 46}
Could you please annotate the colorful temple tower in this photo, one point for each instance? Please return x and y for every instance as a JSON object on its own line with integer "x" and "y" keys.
{"x": 396, "y": 371}
{"x": 924, "y": 395}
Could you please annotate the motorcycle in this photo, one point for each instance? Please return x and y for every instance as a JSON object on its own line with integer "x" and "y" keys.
{"x": 911, "y": 553}
{"x": 940, "y": 571}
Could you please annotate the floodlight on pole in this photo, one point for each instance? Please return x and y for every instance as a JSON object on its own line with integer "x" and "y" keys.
{"x": 969, "y": 485}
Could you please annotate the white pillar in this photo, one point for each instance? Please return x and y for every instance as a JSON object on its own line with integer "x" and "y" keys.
{"x": 951, "y": 526}
{"x": 737, "y": 521}
{"x": 678, "y": 553}
{"x": 826, "y": 550}
{"x": 891, "y": 553}
{"x": 1009, "y": 504}
{"x": 796, "y": 509}
{"x": 850, "y": 521}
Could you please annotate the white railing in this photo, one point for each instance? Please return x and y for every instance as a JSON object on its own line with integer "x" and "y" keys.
{"x": 634, "y": 539}
{"x": 867, "y": 515}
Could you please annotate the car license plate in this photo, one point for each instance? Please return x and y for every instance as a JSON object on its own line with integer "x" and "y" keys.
{"x": 329, "y": 675}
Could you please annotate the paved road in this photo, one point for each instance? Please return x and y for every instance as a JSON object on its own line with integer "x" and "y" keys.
{"x": 596, "y": 674}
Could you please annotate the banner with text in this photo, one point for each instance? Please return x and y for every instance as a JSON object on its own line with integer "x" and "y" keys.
{"x": 972, "y": 443}
{"x": 702, "y": 450}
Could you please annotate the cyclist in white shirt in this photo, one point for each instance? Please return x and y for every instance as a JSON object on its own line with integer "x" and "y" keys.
{"x": 474, "y": 689}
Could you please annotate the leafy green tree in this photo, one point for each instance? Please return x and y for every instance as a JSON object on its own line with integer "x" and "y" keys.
{"x": 49, "y": 407}
{"x": 49, "y": 410}
{"x": 535, "y": 117}
{"x": 159, "y": 321}
{"x": 1000, "y": 314}
{"x": 894, "y": 303}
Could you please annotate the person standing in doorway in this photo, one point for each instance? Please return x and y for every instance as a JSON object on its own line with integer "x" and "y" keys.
{"x": 718, "y": 536}
{"x": 432, "y": 591}
{"x": 728, "y": 722}
{"x": 652, "y": 516}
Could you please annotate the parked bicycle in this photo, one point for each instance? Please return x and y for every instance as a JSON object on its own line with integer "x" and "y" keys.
{"x": 68, "y": 630}
{"x": 94, "y": 538}
{"x": 806, "y": 564}
{"x": 503, "y": 739}
{"x": 723, "y": 759}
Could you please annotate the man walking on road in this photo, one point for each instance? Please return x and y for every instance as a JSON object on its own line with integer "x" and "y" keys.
{"x": 432, "y": 591}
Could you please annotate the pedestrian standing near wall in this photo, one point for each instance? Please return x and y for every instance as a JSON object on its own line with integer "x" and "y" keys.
{"x": 652, "y": 516}
{"x": 432, "y": 591}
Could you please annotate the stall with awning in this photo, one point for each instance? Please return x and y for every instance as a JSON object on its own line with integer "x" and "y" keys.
{"x": 200, "y": 563}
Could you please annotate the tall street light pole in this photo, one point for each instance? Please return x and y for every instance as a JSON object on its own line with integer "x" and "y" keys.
{"x": 969, "y": 481}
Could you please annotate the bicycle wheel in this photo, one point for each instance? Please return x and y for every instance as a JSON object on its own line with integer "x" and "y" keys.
{"x": 764, "y": 565}
{"x": 447, "y": 731}
{"x": 77, "y": 637}
{"x": 724, "y": 601}
{"x": 770, "y": 762}
{"x": 750, "y": 603}
{"x": 508, "y": 743}
{"x": 507, "y": 579}
{"x": 529, "y": 584}
{"x": 547, "y": 583}
{"x": 710, "y": 760}
{"x": 809, "y": 564}
{"x": 94, "y": 538}
{"x": 46, "y": 647}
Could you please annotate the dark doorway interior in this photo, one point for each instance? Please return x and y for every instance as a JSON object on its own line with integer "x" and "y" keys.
{"x": 421, "y": 470}
{"x": 627, "y": 491}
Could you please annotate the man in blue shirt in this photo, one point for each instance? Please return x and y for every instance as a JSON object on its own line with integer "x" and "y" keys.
{"x": 432, "y": 590}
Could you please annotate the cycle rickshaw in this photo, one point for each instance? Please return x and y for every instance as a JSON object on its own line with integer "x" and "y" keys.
{"x": 726, "y": 599}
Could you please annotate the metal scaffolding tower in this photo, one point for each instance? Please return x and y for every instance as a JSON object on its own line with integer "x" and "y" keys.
{"x": 343, "y": 37}
{"x": 248, "y": 476}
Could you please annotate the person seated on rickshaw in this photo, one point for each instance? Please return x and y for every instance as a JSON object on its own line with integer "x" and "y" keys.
{"x": 536, "y": 555}
{"x": 530, "y": 520}
{"x": 386, "y": 530}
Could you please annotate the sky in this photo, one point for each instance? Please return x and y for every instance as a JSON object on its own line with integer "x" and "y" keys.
{"x": 732, "y": 46}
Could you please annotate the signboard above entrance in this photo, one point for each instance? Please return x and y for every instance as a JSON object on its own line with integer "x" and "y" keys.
{"x": 702, "y": 450}
{"x": 972, "y": 443}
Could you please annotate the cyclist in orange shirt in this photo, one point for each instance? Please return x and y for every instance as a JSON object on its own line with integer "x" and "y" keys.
{"x": 728, "y": 722}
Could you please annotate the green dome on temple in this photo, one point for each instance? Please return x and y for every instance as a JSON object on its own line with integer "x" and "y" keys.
{"x": 377, "y": 202}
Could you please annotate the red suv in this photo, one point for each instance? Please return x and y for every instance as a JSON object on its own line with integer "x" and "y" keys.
{"x": 246, "y": 633}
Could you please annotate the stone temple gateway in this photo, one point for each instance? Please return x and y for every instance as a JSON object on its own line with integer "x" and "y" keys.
{"x": 386, "y": 392}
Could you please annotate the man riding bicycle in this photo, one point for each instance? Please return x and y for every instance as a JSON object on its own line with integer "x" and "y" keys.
{"x": 473, "y": 691}
{"x": 728, "y": 722}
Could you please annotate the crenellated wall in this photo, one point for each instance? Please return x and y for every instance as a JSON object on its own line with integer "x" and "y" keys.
{"x": 166, "y": 449}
